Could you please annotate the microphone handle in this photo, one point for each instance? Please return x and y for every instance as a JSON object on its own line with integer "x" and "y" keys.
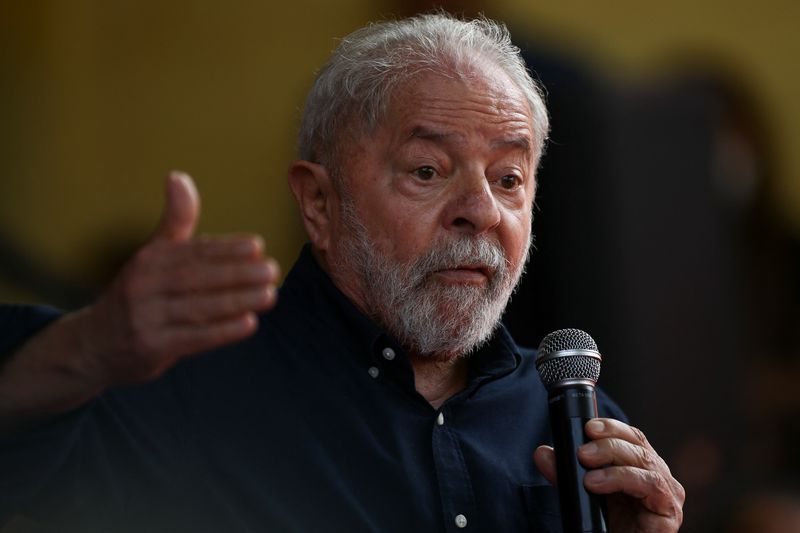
{"x": 571, "y": 406}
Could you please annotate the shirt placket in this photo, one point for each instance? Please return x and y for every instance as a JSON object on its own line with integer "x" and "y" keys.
{"x": 455, "y": 486}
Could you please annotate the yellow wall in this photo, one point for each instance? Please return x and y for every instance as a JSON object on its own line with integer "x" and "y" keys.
{"x": 99, "y": 100}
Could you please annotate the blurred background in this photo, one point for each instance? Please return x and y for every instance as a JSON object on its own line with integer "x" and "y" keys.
{"x": 667, "y": 221}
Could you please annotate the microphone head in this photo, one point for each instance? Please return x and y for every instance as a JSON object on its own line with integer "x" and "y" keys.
{"x": 568, "y": 357}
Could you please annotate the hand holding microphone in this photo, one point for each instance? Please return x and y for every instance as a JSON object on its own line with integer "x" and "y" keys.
{"x": 594, "y": 456}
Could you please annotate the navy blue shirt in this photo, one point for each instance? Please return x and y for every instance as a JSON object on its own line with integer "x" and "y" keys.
{"x": 311, "y": 425}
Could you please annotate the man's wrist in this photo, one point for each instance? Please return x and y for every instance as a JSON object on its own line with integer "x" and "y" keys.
{"x": 83, "y": 359}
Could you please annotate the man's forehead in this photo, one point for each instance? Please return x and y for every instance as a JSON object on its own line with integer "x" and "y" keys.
{"x": 488, "y": 82}
{"x": 433, "y": 106}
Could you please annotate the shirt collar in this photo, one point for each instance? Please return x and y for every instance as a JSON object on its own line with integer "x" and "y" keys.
{"x": 308, "y": 280}
{"x": 498, "y": 357}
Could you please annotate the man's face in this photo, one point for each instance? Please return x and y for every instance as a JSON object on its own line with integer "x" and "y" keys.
{"x": 434, "y": 227}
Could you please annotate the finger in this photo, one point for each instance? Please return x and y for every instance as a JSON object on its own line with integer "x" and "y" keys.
{"x": 210, "y": 307}
{"x": 201, "y": 277}
{"x": 619, "y": 452}
{"x": 599, "y": 428}
{"x": 227, "y": 247}
{"x": 658, "y": 494}
{"x": 545, "y": 459}
{"x": 192, "y": 339}
{"x": 181, "y": 211}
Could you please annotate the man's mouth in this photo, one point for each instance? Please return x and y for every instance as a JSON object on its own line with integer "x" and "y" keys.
{"x": 465, "y": 274}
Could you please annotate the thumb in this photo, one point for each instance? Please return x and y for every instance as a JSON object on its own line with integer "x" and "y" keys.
{"x": 181, "y": 211}
{"x": 545, "y": 459}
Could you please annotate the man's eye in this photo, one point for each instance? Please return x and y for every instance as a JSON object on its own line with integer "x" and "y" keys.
{"x": 509, "y": 182}
{"x": 425, "y": 173}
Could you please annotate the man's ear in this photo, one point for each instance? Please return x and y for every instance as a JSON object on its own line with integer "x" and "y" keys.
{"x": 313, "y": 189}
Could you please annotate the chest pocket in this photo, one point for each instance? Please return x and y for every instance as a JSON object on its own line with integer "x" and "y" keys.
{"x": 541, "y": 506}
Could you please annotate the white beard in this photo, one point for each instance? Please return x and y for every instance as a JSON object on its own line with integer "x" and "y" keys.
{"x": 428, "y": 317}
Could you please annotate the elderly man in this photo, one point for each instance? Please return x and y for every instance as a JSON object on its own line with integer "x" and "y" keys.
{"x": 379, "y": 392}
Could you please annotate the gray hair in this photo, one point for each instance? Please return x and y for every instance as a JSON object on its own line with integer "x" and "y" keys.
{"x": 352, "y": 91}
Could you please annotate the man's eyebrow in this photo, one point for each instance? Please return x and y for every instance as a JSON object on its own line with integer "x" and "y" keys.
{"x": 521, "y": 143}
{"x": 423, "y": 132}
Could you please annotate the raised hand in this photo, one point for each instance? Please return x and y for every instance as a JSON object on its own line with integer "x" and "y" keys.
{"x": 177, "y": 296}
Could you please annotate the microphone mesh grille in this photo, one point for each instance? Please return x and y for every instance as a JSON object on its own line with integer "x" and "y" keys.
{"x": 554, "y": 370}
{"x": 561, "y": 369}
{"x": 566, "y": 339}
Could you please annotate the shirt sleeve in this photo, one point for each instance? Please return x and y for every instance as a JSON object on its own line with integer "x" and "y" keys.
{"x": 30, "y": 460}
{"x": 82, "y": 462}
{"x": 26, "y": 458}
{"x": 20, "y": 322}
{"x": 85, "y": 466}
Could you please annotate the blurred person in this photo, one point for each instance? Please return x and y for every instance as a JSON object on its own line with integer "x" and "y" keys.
{"x": 380, "y": 391}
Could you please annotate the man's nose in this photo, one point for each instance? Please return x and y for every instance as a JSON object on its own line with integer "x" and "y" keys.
{"x": 472, "y": 207}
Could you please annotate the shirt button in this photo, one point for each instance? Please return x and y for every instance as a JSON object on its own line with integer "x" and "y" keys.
{"x": 440, "y": 422}
{"x": 461, "y": 521}
{"x": 373, "y": 371}
{"x": 388, "y": 354}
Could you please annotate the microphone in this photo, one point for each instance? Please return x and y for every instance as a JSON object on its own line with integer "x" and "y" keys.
{"x": 569, "y": 365}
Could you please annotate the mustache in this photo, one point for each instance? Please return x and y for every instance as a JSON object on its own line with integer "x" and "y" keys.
{"x": 459, "y": 252}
